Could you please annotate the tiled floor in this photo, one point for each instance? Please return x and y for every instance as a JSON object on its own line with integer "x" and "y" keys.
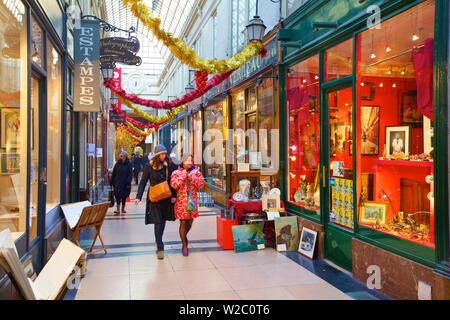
{"x": 130, "y": 270}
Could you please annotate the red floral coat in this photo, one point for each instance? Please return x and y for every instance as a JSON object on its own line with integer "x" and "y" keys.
{"x": 179, "y": 182}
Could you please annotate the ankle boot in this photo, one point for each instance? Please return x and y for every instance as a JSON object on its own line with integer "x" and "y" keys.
{"x": 123, "y": 209}
{"x": 117, "y": 212}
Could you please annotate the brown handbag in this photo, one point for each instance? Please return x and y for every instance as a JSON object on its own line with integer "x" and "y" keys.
{"x": 161, "y": 191}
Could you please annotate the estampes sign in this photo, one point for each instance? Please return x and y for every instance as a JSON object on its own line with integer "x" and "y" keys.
{"x": 254, "y": 65}
{"x": 87, "y": 67}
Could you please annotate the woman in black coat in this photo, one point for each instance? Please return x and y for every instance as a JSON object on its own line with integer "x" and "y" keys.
{"x": 158, "y": 213}
{"x": 121, "y": 181}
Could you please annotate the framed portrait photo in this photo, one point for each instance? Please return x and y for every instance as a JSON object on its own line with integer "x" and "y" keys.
{"x": 372, "y": 211}
{"x": 397, "y": 140}
{"x": 307, "y": 242}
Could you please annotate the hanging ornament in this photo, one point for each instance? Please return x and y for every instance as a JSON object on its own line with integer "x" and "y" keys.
{"x": 201, "y": 78}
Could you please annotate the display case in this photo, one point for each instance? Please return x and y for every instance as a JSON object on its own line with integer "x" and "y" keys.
{"x": 394, "y": 117}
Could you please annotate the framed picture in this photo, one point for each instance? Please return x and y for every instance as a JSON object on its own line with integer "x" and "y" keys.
{"x": 409, "y": 112}
{"x": 10, "y": 126}
{"x": 368, "y": 91}
{"x": 255, "y": 160}
{"x": 10, "y": 162}
{"x": 337, "y": 137}
{"x": 286, "y": 233}
{"x": 372, "y": 211}
{"x": 427, "y": 135}
{"x": 248, "y": 237}
{"x": 397, "y": 140}
{"x": 370, "y": 130}
{"x": 307, "y": 242}
{"x": 270, "y": 201}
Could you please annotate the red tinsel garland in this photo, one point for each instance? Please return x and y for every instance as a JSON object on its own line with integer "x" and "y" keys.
{"x": 191, "y": 96}
{"x": 135, "y": 122}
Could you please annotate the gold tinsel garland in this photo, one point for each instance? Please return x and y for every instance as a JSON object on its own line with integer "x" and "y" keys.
{"x": 180, "y": 50}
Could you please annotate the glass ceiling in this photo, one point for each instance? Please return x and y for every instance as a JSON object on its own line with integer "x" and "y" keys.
{"x": 173, "y": 14}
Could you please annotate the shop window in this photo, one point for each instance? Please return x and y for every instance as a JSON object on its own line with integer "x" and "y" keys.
{"x": 216, "y": 116}
{"x": 13, "y": 119}
{"x": 37, "y": 43}
{"x": 339, "y": 60}
{"x": 395, "y": 126}
{"x": 54, "y": 109}
{"x": 99, "y": 147}
{"x": 266, "y": 120}
{"x": 197, "y": 138}
{"x": 302, "y": 92}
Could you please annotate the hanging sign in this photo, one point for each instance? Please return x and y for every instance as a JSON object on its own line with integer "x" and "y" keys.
{"x": 87, "y": 67}
{"x": 116, "y": 118}
{"x": 120, "y": 50}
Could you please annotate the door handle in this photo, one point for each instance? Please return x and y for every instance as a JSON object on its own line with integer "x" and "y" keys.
{"x": 44, "y": 176}
{"x": 323, "y": 176}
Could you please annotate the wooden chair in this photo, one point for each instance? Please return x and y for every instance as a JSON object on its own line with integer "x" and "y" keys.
{"x": 52, "y": 281}
{"x": 91, "y": 217}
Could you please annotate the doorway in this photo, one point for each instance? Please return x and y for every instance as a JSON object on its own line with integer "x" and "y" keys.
{"x": 338, "y": 163}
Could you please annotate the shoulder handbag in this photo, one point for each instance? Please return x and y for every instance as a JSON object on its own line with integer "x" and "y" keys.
{"x": 161, "y": 191}
{"x": 190, "y": 201}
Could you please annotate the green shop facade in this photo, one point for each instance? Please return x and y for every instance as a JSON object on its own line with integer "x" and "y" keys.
{"x": 363, "y": 104}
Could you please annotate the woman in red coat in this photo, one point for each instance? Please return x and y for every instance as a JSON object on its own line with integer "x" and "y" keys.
{"x": 183, "y": 180}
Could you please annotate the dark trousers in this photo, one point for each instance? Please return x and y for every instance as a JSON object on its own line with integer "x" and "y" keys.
{"x": 136, "y": 176}
{"x": 119, "y": 200}
{"x": 159, "y": 230}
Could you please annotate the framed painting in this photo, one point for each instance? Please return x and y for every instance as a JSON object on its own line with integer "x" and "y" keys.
{"x": 373, "y": 211}
{"x": 10, "y": 126}
{"x": 370, "y": 130}
{"x": 248, "y": 237}
{"x": 307, "y": 242}
{"x": 270, "y": 201}
{"x": 286, "y": 233}
{"x": 409, "y": 112}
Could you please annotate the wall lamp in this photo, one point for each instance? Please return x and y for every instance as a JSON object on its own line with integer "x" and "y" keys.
{"x": 324, "y": 25}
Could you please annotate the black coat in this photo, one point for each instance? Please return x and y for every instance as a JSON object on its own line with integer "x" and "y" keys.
{"x": 157, "y": 212}
{"x": 138, "y": 164}
{"x": 121, "y": 178}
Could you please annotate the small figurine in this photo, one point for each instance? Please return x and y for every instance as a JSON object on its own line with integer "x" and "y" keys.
{"x": 303, "y": 188}
{"x": 309, "y": 195}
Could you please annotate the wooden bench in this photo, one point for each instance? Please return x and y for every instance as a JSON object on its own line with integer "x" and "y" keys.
{"x": 92, "y": 216}
{"x": 52, "y": 281}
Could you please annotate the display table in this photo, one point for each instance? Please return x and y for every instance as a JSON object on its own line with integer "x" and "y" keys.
{"x": 242, "y": 207}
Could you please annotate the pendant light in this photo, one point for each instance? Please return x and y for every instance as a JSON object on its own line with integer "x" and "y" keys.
{"x": 372, "y": 56}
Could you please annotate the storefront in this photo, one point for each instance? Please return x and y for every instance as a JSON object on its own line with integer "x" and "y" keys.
{"x": 38, "y": 157}
{"x": 216, "y": 123}
{"x": 254, "y": 116}
{"x": 363, "y": 121}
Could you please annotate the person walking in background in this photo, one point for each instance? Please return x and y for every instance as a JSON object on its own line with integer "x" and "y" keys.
{"x": 157, "y": 213}
{"x": 186, "y": 181}
{"x": 121, "y": 181}
{"x": 138, "y": 166}
{"x": 146, "y": 159}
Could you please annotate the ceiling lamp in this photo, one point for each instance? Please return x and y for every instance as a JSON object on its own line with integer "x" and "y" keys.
{"x": 415, "y": 37}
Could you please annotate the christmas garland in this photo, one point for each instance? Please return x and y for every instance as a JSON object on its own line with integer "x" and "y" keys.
{"x": 131, "y": 132}
{"x": 169, "y": 116}
{"x": 186, "y": 55}
{"x": 191, "y": 96}
{"x": 137, "y": 130}
{"x": 135, "y": 122}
